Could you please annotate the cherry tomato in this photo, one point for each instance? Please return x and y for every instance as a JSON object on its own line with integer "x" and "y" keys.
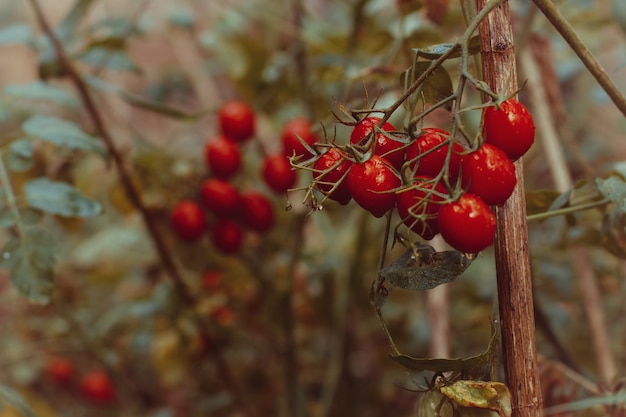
{"x": 96, "y": 386}
{"x": 431, "y": 146}
{"x": 373, "y": 184}
{"x": 227, "y": 235}
{"x": 468, "y": 225}
{"x": 278, "y": 173}
{"x": 387, "y": 147}
{"x": 256, "y": 211}
{"x": 295, "y": 130}
{"x": 510, "y": 128}
{"x": 330, "y": 170}
{"x": 60, "y": 370}
{"x": 188, "y": 220}
{"x": 223, "y": 157}
{"x": 489, "y": 174}
{"x": 211, "y": 279}
{"x": 418, "y": 206}
{"x": 237, "y": 121}
{"x": 220, "y": 197}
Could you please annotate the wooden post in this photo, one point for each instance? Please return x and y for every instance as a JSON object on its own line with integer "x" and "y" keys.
{"x": 511, "y": 244}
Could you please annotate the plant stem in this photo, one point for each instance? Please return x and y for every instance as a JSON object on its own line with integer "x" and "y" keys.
{"x": 568, "y": 33}
{"x": 515, "y": 298}
{"x": 134, "y": 195}
{"x": 567, "y": 210}
{"x": 5, "y": 184}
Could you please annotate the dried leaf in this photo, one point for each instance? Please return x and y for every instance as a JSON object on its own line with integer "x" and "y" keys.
{"x": 494, "y": 396}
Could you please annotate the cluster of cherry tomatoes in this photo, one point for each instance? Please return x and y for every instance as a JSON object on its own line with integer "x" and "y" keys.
{"x": 436, "y": 184}
{"x": 95, "y": 386}
{"x": 232, "y": 210}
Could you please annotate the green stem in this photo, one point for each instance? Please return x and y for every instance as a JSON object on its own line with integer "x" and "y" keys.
{"x": 567, "y": 210}
{"x": 569, "y": 34}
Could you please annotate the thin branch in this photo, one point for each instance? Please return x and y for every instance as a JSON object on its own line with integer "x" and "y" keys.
{"x": 134, "y": 195}
{"x": 568, "y": 33}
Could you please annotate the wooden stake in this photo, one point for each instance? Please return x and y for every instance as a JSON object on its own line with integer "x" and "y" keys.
{"x": 511, "y": 244}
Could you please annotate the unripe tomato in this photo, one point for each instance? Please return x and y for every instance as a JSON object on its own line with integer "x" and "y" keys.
{"x": 295, "y": 130}
{"x": 431, "y": 146}
{"x": 60, "y": 370}
{"x": 418, "y": 206}
{"x": 385, "y": 146}
{"x": 468, "y": 225}
{"x": 489, "y": 174}
{"x": 220, "y": 197}
{"x": 227, "y": 236}
{"x": 237, "y": 121}
{"x": 188, "y": 220}
{"x": 278, "y": 173}
{"x": 96, "y": 386}
{"x": 373, "y": 184}
{"x": 510, "y": 128}
{"x": 257, "y": 211}
{"x": 222, "y": 157}
{"x": 329, "y": 171}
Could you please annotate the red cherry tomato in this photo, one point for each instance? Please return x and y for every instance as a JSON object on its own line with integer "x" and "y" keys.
{"x": 373, "y": 184}
{"x": 223, "y": 157}
{"x": 278, "y": 173}
{"x": 510, "y": 128}
{"x": 418, "y": 206}
{"x": 96, "y": 386}
{"x": 220, "y": 197}
{"x": 468, "y": 225}
{"x": 330, "y": 171}
{"x": 188, "y": 220}
{"x": 227, "y": 236}
{"x": 237, "y": 121}
{"x": 295, "y": 130}
{"x": 256, "y": 211}
{"x": 385, "y": 146}
{"x": 61, "y": 370}
{"x": 489, "y": 174}
{"x": 431, "y": 146}
{"x": 211, "y": 279}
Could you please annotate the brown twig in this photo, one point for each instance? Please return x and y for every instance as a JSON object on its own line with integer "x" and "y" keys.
{"x": 136, "y": 199}
{"x": 515, "y": 296}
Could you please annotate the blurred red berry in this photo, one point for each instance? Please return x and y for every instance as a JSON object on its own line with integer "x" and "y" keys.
{"x": 188, "y": 220}
{"x": 237, "y": 121}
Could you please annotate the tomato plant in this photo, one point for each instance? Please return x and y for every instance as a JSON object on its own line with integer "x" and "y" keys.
{"x": 373, "y": 184}
{"x": 427, "y": 154}
{"x": 257, "y": 211}
{"x": 330, "y": 175}
{"x": 237, "y": 121}
{"x": 489, "y": 174}
{"x": 278, "y": 173}
{"x": 96, "y": 386}
{"x": 220, "y": 197}
{"x": 188, "y": 220}
{"x": 418, "y": 206}
{"x": 385, "y": 145}
{"x": 510, "y": 128}
{"x": 222, "y": 157}
{"x": 296, "y": 131}
{"x": 468, "y": 225}
{"x": 227, "y": 235}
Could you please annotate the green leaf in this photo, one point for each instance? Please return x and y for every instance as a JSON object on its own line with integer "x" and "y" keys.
{"x": 423, "y": 268}
{"x": 104, "y": 57}
{"x": 181, "y": 17}
{"x": 614, "y": 188}
{"x": 494, "y": 396}
{"x": 436, "y": 87}
{"x": 61, "y": 132}
{"x": 68, "y": 26}
{"x": 20, "y": 155}
{"x": 540, "y": 201}
{"x": 28, "y": 216}
{"x": 59, "y": 198}
{"x": 434, "y": 52}
{"x": 38, "y": 90}
{"x": 448, "y": 365}
{"x": 30, "y": 261}
{"x": 613, "y": 233}
{"x": 16, "y": 400}
{"x": 16, "y": 34}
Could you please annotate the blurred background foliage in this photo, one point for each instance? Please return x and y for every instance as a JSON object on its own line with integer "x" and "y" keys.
{"x": 159, "y": 71}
